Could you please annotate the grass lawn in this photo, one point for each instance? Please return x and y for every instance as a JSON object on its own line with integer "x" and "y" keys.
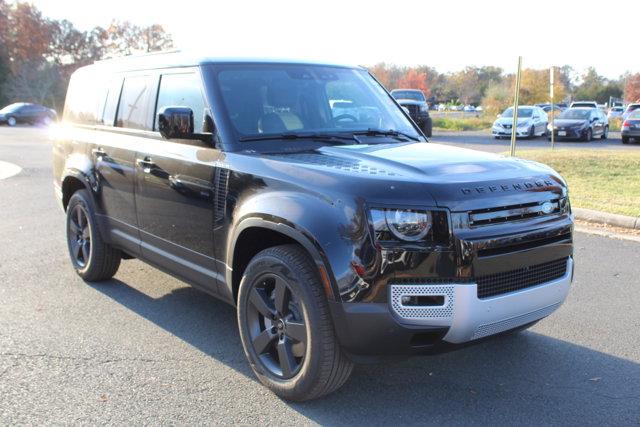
{"x": 602, "y": 180}
{"x": 462, "y": 123}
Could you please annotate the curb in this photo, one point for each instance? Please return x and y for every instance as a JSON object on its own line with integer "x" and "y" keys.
{"x": 598, "y": 217}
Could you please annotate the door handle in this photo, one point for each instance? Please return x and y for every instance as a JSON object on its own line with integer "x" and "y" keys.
{"x": 146, "y": 164}
{"x": 99, "y": 152}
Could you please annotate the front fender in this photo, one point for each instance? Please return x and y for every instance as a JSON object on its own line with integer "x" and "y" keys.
{"x": 332, "y": 231}
{"x": 79, "y": 167}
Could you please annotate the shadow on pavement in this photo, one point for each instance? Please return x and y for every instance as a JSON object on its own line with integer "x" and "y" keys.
{"x": 527, "y": 378}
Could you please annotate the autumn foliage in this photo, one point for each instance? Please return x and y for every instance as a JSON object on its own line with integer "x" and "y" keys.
{"x": 632, "y": 88}
{"x": 415, "y": 80}
{"x": 38, "y": 54}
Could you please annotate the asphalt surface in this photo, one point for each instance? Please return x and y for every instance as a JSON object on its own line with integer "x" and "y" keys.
{"x": 482, "y": 140}
{"x": 146, "y": 349}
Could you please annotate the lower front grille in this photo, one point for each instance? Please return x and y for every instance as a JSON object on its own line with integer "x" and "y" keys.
{"x": 522, "y": 278}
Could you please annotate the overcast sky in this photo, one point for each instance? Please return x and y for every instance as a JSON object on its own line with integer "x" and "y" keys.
{"x": 445, "y": 34}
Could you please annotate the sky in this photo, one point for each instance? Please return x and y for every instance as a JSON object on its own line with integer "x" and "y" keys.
{"x": 445, "y": 34}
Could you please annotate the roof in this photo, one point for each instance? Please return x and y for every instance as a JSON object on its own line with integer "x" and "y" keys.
{"x": 179, "y": 59}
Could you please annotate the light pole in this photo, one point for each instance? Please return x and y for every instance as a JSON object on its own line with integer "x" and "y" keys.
{"x": 553, "y": 119}
{"x": 514, "y": 124}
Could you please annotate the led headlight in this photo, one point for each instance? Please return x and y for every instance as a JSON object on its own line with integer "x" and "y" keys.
{"x": 409, "y": 225}
{"x": 416, "y": 226}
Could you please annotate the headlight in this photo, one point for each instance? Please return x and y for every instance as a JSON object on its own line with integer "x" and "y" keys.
{"x": 424, "y": 108}
{"x": 410, "y": 225}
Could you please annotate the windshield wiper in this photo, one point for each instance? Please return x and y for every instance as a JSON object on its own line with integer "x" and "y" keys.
{"x": 390, "y": 132}
{"x": 324, "y": 137}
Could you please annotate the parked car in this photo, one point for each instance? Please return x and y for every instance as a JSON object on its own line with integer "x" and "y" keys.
{"x": 615, "y": 112}
{"x": 584, "y": 104}
{"x": 547, "y": 107}
{"x": 415, "y": 101}
{"x": 24, "y": 112}
{"x": 532, "y": 122}
{"x": 630, "y": 109}
{"x": 469, "y": 109}
{"x": 581, "y": 123}
{"x": 479, "y": 109}
{"x": 631, "y": 127}
{"x": 338, "y": 237}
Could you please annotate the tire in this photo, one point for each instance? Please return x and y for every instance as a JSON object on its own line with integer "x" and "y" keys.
{"x": 11, "y": 121}
{"x": 588, "y": 135}
{"x": 46, "y": 120}
{"x": 532, "y": 132}
{"x": 92, "y": 258}
{"x": 317, "y": 365}
{"x": 625, "y": 139}
{"x": 605, "y": 134}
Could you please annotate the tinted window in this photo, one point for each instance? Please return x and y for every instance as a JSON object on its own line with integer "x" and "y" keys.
{"x": 111, "y": 103}
{"x": 408, "y": 94}
{"x": 575, "y": 114}
{"x": 132, "y": 109}
{"x": 182, "y": 90}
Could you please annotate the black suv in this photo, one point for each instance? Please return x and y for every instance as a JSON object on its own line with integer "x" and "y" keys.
{"x": 416, "y": 104}
{"x": 302, "y": 194}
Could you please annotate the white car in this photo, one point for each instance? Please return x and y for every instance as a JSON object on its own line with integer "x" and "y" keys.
{"x": 532, "y": 122}
{"x": 630, "y": 109}
{"x": 615, "y": 112}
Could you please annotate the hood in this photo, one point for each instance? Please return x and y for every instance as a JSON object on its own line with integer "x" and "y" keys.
{"x": 456, "y": 178}
{"x": 570, "y": 122}
{"x": 409, "y": 102}
{"x": 509, "y": 120}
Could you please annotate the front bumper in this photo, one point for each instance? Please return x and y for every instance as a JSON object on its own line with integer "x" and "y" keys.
{"x": 463, "y": 318}
{"x": 569, "y": 133}
{"x": 502, "y": 132}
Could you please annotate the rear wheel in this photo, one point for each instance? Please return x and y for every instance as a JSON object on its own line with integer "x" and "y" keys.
{"x": 285, "y": 326}
{"x": 92, "y": 258}
{"x": 625, "y": 139}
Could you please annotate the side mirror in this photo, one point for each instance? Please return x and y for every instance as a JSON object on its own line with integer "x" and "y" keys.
{"x": 176, "y": 122}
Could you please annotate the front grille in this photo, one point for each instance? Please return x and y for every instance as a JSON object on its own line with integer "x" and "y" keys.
{"x": 522, "y": 278}
{"x": 414, "y": 110}
{"x": 516, "y": 212}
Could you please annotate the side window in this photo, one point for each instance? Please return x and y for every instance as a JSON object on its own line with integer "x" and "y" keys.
{"x": 111, "y": 103}
{"x": 132, "y": 109}
{"x": 84, "y": 97}
{"x": 181, "y": 90}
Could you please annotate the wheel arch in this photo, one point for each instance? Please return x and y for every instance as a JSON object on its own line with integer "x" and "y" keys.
{"x": 257, "y": 233}
{"x": 71, "y": 183}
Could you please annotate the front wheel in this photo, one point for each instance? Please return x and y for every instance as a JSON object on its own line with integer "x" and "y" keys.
{"x": 625, "y": 139}
{"x": 92, "y": 258}
{"x": 11, "y": 121}
{"x": 285, "y": 326}
{"x": 605, "y": 134}
{"x": 588, "y": 135}
{"x": 427, "y": 128}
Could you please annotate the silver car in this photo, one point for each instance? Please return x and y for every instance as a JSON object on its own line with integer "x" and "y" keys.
{"x": 532, "y": 122}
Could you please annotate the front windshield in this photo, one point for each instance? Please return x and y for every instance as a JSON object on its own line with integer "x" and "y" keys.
{"x": 274, "y": 99}
{"x": 575, "y": 114}
{"x": 11, "y": 108}
{"x": 408, "y": 94}
{"x": 522, "y": 112}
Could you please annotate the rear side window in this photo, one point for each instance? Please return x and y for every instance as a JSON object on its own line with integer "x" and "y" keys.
{"x": 85, "y": 97}
{"x": 181, "y": 90}
{"x": 111, "y": 103}
{"x": 132, "y": 109}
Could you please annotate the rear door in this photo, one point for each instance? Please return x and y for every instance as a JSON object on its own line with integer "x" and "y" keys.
{"x": 174, "y": 188}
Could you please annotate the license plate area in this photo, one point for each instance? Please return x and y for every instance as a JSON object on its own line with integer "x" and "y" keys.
{"x": 562, "y": 133}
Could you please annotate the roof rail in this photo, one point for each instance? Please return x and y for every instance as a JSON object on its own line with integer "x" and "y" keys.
{"x": 138, "y": 55}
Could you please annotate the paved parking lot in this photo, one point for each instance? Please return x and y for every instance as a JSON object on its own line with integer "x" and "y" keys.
{"x": 145, "y": 348}
{"x": 482, "y": 140}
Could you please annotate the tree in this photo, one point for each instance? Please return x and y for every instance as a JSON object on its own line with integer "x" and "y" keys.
{"x": 498, "y": 96}
{"x": 466, "y": 84}
{"x": 412, "y": 79}
{"x": 535, "y": 84}
{"x": 125, "y": 38}
{"x": 632, "y": 88}
{"x": 381, "y": 73}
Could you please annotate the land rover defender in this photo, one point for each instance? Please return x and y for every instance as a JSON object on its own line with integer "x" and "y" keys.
{"x": 304, "y": 195}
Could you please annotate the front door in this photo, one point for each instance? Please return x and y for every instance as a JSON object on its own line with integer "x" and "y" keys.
{"x": 175, "y": 191}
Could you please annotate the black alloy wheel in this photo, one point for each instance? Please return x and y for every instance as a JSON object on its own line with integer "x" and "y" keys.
{"x": 79, "y": 236}
{"x": 276, "y": 326}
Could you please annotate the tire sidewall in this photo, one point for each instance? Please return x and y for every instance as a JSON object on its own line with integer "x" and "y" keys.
{"x": 304, "y": 379}
{"x": 80, "y": 198}
{"x": 11, "y": 121}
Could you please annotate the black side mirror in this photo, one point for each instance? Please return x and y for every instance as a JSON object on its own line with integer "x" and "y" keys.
{"x": 176, "y": 122}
